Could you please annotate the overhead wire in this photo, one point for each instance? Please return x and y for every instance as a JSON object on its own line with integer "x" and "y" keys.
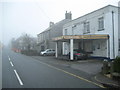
{"x": 43, "y": 11}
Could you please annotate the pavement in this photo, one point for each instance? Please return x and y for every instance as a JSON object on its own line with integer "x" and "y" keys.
{"x": 106, "y": 81}
{"x": 92, "y": 67}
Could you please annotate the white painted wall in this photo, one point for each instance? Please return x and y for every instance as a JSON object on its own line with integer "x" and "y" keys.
{"x": 116, "y": 33}
{"x": 99, "y": 51}
{"x": 109, "y": 28}
{"x": 105, "y": 12}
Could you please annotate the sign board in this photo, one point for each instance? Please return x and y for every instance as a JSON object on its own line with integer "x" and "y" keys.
{"x": 81, "y": 37}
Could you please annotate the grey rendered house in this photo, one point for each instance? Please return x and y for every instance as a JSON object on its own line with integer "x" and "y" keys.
{"x": 54, "y": 30}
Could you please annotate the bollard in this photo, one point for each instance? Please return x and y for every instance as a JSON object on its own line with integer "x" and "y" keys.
{"x": 105, "y": 69}
{"x": 111, "y": 68}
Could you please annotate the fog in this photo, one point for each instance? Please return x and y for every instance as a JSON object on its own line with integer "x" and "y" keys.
{"x": 33, "y": 17}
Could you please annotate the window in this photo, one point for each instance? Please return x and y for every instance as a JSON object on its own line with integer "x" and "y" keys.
{"x": 100, "y": 24}
{"x": 65, "y": 31}
{"x": 73, "y": 29}
{"x": 86, "y": 27}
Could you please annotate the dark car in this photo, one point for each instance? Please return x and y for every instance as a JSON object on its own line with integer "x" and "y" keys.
{"x": 79, "y": 54}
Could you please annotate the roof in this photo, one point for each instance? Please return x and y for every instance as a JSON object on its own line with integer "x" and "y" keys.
{"x": 94, "y": 12}
{"x": 55, "y": 25}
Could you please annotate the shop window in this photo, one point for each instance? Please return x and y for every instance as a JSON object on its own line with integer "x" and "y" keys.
{"x": 98, "y": 47}
{"x": 65, "y": 31}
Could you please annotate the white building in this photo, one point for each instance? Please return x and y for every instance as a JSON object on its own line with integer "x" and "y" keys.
{"x": 97, "y": 32}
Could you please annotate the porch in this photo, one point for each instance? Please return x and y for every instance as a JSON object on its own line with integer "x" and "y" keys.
{"x": 85, "y": 42}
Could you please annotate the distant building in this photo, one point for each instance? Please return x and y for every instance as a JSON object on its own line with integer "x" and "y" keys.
{"x": 97, "y": 33}
{"x": 54, "y": 30}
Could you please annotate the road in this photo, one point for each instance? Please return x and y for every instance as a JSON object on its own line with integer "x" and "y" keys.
{"x": 20, "y": 71}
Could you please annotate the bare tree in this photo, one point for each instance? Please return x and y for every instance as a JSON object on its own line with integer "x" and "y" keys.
{"x": 24, "y": 42}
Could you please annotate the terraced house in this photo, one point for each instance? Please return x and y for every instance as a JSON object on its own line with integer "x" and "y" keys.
{"x": 97, "y": 33}
{"x": 54, "y": 30}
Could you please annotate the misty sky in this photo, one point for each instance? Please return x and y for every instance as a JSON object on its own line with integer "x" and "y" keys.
{"x": 33, "y": 17}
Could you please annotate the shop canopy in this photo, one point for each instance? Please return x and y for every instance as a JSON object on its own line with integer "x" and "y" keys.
{"x": 68, "y": 37}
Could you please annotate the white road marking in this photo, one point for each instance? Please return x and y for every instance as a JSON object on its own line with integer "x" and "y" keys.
{"x": 11, "y": 64}
{"x": 20, "y": 81}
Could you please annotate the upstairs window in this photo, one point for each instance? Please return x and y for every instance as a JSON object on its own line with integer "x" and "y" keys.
{"x": 86, "y": 27}
{"x": 100, "y": 24}
{"x": 73, "y": 29}
{"x": 65, "y": 31}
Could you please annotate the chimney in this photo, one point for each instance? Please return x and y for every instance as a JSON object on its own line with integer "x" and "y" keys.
{"x": 68, "y": 15}
{"x": 51, "y": 24}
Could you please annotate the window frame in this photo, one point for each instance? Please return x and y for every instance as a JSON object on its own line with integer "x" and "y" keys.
{"x": 86, "y": 27}
{"x": 66, "y": 32}
{"x": 101, "y": 24}
{"x": 73, "y": 29}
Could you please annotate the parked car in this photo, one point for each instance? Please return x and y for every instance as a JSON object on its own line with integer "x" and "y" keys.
{"x": 79, "y": 54}
{"x": 48, "y": 52}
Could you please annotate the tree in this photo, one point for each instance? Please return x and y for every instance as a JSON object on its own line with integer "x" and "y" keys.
{"x": 24, "y": 42}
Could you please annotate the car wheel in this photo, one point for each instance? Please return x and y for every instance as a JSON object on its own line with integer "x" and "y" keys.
{"x": 44, "y": 54}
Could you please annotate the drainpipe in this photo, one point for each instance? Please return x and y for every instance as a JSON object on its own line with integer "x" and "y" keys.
{"x": 113, "y": 34}
{"x": 109, "y": 47}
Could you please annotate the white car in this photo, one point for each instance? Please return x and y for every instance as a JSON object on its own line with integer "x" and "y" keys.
{"x": 48, "y": 52}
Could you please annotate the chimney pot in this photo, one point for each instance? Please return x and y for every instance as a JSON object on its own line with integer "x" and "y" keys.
{"x": 68, "y": 15}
